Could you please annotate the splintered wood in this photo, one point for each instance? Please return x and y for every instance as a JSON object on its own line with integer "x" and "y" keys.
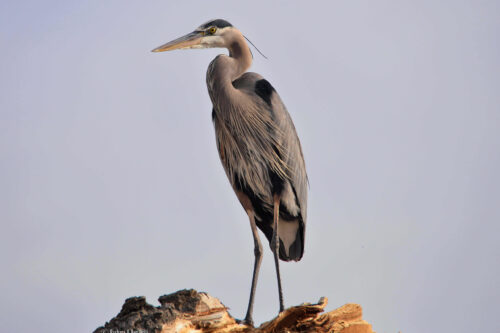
{"x": 189, "y": 311}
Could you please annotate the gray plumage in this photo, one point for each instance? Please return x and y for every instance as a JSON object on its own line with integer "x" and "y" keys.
{"x": 256, "y": 140}
{"x": 257, "y": 144}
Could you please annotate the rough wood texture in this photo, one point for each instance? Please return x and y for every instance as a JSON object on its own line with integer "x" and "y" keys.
{"x": 189, "y": 311}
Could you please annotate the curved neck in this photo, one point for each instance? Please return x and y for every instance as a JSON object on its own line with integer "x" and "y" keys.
{"x": 223, "y": 70}
{"x": 240, "y": 52}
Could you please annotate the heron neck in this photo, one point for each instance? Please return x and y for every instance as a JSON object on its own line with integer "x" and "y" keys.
{"x": 223, "y": 70}
{"x": 240, "y": 52}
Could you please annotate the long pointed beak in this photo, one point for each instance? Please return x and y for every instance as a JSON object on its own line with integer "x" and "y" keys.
{"x": 190, "y": 41}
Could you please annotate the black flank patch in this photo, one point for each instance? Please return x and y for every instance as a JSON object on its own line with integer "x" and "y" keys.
{"x": 277, "y": 182}
{"x": 266, "y": 218}
{"x": 265, "y": 90}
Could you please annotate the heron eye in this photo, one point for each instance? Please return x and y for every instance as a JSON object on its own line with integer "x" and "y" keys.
{"x": 212, "y": 30}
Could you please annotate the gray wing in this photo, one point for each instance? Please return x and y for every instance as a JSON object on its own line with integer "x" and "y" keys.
{"x": 294, "y": 197}
{"x": 291, "y": 149}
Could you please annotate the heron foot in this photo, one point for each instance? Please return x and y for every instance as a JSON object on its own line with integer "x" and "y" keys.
{"x": 247, "y": 321}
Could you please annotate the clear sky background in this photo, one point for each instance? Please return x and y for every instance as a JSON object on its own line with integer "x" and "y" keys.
{"x": 111, "y": 186}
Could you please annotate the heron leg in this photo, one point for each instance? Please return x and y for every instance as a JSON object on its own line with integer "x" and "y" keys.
{"x": 275, "y": 244}
{"x": 258, "y": 259}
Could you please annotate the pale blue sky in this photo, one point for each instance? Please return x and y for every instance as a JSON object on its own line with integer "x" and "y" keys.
{"x": 110, "y": 183}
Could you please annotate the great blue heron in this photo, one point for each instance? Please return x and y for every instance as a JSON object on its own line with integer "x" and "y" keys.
{"x": 258, "y": 146}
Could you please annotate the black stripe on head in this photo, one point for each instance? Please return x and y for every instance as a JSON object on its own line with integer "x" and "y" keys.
{"x": 219, "y": 23}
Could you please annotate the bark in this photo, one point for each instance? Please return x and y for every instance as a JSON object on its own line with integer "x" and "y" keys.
{"x": 189, "y": 311}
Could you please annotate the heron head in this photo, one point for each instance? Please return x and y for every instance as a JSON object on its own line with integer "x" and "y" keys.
{"x": 214, "y": 33}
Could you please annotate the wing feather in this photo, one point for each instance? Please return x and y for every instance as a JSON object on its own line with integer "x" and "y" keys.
{"x": 258, "y": 146}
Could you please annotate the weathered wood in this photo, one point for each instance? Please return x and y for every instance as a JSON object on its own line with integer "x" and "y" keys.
{"x": 189, "y": 311}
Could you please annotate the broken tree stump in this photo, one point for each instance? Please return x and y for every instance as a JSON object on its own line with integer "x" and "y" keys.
{"x": 187, "y": 311}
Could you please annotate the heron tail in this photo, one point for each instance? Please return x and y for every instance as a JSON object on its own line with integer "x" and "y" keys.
{"x": 291, "y": 235}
